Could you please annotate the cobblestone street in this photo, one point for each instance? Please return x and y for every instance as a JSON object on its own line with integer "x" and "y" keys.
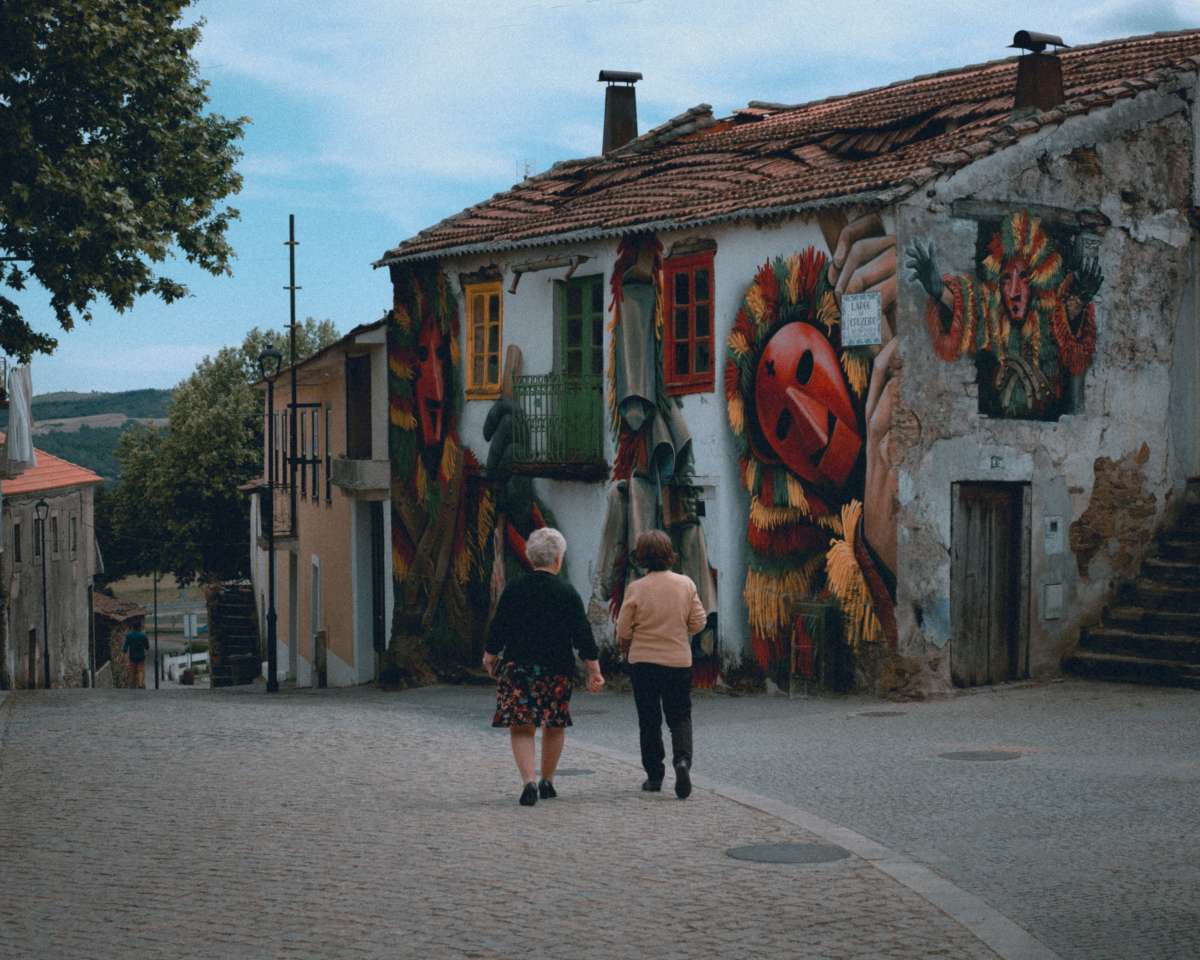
{"x": 356, "y": 825}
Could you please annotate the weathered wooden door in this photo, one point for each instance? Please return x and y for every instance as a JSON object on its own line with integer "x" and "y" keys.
{"x": 581, "y": 364}
{"x": 989, "y": 583}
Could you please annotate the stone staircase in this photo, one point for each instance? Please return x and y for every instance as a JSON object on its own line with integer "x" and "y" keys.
{"x": 1151, "y": 632}
{"x": 233, "y": 634}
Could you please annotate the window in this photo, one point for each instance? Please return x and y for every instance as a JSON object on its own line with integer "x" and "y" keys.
{"x": 485, "y": 322}
{"x": 16, "y": 542}
{"x": 74, "y": 533}
{"x": 328, "y": 455}
{"x": 688, "y": 345}
{"x": 38, "y": 536}
{"x": 54, "y": 536}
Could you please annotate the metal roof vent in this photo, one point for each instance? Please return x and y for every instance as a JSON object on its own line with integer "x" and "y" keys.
{"x": 1039, "y": 74}
{"x": 620, "y": 108}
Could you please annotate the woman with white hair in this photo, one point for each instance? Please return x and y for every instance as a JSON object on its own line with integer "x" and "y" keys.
{"x": 539, "y": 622}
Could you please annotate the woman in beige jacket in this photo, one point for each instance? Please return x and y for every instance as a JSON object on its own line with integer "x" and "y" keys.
{"x": 659, "y": 615}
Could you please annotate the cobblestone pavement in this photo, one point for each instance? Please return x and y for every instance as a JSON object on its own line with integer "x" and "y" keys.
{"x": 1087, "y": 838}
{"x": 355, "y": 824}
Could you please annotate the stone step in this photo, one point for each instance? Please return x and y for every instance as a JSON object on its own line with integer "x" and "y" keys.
{"x": 1141, "y": 644}
{"x": 1161, "y": 596}
{"x": 1172, "y": 571}
{"x": 1149, "y": 619}
{"x": 1125, "y": 669}
{"x": 1181, "y": 548}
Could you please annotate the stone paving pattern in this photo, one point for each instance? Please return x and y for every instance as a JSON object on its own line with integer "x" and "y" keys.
{"x": 361, "y": 824}
{"x": 1088, "y": 840}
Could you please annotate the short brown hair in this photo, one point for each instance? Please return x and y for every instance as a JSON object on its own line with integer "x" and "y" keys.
{"x": 653, "y": 551}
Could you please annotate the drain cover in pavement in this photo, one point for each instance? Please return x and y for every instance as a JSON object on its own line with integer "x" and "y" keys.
{"x": 980, "y": 755}
{"x": 881, "y": 713}
{"x": 789, "y": 853}
{"x": 573, "y": 772}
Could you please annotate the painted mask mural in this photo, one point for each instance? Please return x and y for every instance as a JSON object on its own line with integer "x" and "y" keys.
{"x": 1027, "y": 316}
{"x": 811, "y": 417}
{"x": 442, "y": 516}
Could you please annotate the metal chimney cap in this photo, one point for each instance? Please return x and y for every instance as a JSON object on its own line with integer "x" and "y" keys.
{"x": 1035, "y": 42}
{"x": 619, "y": 76}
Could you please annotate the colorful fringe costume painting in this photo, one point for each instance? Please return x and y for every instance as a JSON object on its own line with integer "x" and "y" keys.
{"x": 1027, "y": 317}
{"x": 794, "y": 399}
{"x": 442, "y": 515}
{"x": 652, "y": 469}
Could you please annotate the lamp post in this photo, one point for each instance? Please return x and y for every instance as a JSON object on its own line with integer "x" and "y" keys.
{"x": 268, "y": 366}
{"x": 42, "y": 509}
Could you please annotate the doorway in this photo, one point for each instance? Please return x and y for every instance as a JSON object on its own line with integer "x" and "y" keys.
{"x": 989, "y": 583}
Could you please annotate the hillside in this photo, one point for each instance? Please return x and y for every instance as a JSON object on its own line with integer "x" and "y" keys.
{"x": 85, "y": 427}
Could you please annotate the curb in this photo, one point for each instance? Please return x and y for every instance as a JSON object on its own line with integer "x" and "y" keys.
{"x": 1009, "y": 940}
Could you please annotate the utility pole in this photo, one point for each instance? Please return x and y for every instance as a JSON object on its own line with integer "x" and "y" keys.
{"x": 292, "y": 288}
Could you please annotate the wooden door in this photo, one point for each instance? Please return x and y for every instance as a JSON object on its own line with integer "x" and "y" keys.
{"x": 581, "y": 364}
{"x": 989, "y": 583}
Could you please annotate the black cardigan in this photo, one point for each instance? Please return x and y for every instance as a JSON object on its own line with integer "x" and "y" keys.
{"x": 538, "y": 621}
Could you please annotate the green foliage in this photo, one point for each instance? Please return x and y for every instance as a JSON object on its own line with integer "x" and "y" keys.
{"x": 110, "y": 164}
{"x": 312, "y": 335}
{"x": 91, "y": 447}
{"x": 136, "y": 404}
{"x": 177, "y": 508}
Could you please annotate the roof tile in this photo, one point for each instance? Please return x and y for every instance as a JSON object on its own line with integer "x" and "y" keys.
{"x": 773, "y": 156}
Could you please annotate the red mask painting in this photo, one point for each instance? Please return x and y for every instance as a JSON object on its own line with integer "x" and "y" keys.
{"x": 1014, "y": 288}
{"x": 804, "y": 408}
{"x": 431, "y": 384}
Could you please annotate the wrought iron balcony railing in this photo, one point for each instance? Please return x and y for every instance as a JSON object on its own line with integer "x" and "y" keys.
{"x": 560, "y": 420}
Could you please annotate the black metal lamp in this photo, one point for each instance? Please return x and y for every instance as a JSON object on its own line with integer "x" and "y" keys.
{"x": 269, "y": 362}
{"x": 42, "y": 510}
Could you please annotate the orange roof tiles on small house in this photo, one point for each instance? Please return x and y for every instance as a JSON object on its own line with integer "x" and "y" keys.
{"x": 875, "y": 146}
{"x": 51, "y": 473}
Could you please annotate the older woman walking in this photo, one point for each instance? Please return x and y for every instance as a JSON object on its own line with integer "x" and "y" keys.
{"x": 659, "y": 615}
{"x": 538, "y": 621}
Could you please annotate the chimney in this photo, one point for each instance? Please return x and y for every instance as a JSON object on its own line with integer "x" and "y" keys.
{"x": 620, "y": 108}
{"x": 1039, "y": 74}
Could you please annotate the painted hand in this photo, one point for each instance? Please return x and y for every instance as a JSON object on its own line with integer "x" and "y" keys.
{"x": 864, "y": 260}
{"x": 923, "y": 268}
{"x": 882, "y": 481}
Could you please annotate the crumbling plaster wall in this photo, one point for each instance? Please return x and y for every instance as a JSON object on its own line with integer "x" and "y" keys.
{"x": 1132, "y": 164}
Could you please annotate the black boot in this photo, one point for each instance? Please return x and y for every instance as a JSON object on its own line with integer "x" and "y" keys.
{"x": 529, "y": 795}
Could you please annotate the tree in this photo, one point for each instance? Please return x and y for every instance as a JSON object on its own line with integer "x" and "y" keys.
{"x": 177, "y": 503}
{"x": 110, "y": 164}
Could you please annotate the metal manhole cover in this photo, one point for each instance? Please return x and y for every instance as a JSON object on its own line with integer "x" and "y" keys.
{"x": 573, "y": 772}
{"x": 981, "y": 755}
{"x": 882, "y": 713}
{"x": 789, "y": 853}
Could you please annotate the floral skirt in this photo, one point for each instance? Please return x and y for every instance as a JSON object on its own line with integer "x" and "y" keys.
{"x": 529, "y": 696}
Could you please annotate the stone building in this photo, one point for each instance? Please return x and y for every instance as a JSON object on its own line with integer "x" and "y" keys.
{"x": 68, "y": 559}
{"x": 916, "y": 367}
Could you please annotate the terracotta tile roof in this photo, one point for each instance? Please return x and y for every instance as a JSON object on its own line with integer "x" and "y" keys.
{"x": 119, "y": 610}
{"x": 51, "y": 473}
{"x": 876, "y": 145}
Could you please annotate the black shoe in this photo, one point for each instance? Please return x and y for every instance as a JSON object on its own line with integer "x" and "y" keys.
{"x": 529, "y": 794}
{"x": 652, "y": 786}
{"x": 683, "y": 780}
{"x": 546, "y": 790}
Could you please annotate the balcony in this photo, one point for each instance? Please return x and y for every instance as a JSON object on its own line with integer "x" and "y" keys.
{"x": 559, "y": 428}
{"x": 362, "y": 477}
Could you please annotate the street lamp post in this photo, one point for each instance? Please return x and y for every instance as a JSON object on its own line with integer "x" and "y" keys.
{"x": 42, "y": 509}
{"x": 268, "y": 366}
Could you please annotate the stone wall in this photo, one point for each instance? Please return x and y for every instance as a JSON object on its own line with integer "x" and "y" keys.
{"x": 1121, "y": 179}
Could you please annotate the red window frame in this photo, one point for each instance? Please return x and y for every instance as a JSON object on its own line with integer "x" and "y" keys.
{"x": 680, "y": 315}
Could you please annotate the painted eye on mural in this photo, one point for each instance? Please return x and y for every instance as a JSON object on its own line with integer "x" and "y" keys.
{"x": 804, "y": 368}
{"x": 422, "y": 353}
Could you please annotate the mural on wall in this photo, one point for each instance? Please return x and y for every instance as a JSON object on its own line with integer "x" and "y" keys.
{"x": 1027, "y": 316}
{"x": 442, "y": 514}
{"x": 653, "y": 468}
{"x": 812, "y": 419}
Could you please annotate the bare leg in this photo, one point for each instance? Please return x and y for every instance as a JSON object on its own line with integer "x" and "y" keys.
{"x": 553, "y": 739}
{"x": 523, "y": 752}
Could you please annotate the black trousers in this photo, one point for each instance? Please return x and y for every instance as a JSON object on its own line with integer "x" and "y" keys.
{"x": 659, "y": 690}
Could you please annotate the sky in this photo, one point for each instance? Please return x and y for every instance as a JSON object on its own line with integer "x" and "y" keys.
{"x": 371, "y": 120}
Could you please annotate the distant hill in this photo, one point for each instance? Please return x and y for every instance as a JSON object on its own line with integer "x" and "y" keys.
{"x": 85, "y": 427}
